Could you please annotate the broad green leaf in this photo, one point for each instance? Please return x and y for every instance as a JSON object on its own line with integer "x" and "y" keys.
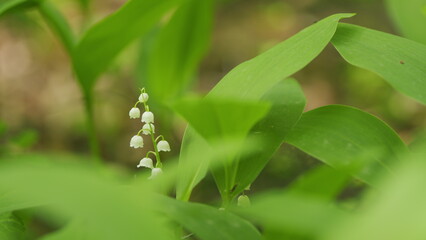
{"x": 11, "y": 227}
{"x": 401, "y": 62}
{"x": 178, "y": 49}
{"x": 252, "y": 79}
{"x": 219, "y": 119}
{"x": 347, "y": 138}
{"x": 287, "y": 101}
{"x": 12, "y": 5}
{"x": 397, "y": 211}
{"x": 94, "y": 197}
{"x": 208, "y": 223}
{"x": 410, "y": 18}
{"x": 102, "y": 43}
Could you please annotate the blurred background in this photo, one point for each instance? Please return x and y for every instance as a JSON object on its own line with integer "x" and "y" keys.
{"x": 41, "y": 107}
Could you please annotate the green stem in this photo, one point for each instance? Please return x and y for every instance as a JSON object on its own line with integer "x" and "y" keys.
{"x": 154, "y": 143}
{"x": 61, "y": 28}
{"x": 90, "y": 121}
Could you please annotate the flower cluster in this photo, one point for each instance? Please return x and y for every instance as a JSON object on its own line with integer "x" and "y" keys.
{"x": 148, "y": 129}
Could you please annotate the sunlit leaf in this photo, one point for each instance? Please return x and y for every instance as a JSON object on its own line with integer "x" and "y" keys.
{"x": 401, "y": 62}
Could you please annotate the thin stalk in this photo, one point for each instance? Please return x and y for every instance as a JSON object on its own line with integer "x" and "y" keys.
{"x": 61, "y": 28}
{"x": 58, "y": 25}
{"x": 90, "y": 121}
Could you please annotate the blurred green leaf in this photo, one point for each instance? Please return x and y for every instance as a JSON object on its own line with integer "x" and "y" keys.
{"x": 87, "y": 195}
{"x": 401, "y": 62}
{"x": 11, "y": 227}
{"x": 292, "y": 213}
{"x": 252, "y": 79}
{"x": 14, "y": 5}
{"x": 347, "y": 139}
{"x": 321, "y": 182}
{"x": 26, "y": 138}
{"x": 409, "y": 18}
{"x": 3, "y": 127}
{"x": 288, "y": 102}
{"x": 58, "y": 24}
{"x": 219, "y": 119}
{"x": 194, "y": 160}
{"x": 102, "y": 42}
{"x": 397, "y": 211}
{"x": 73, "y": 230}
{"x": 208, "y": 223}
{"x": 178, "y": 49}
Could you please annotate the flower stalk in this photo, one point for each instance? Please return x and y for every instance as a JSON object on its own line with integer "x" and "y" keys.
{"x": 148, "y": 129}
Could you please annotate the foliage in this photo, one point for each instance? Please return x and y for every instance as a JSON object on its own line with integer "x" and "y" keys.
{"x": 233, "y": 132}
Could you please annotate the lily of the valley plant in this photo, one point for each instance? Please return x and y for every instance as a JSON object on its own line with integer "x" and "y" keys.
{"x": 148, "y": 129}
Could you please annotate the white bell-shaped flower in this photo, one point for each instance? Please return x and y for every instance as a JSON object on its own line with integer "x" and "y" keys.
{"x": 135, "y": 113}
{"x": 143, "y": 97}
{"x": 146, "y": 162}
{"x": 147, "y": 128}
{"x": 147, "y": 117}
{"x": 155, "y": 172}
{"x": 163, "y": 145}
{"x": 243, "y": 201}
{"x": 136, "y": 141}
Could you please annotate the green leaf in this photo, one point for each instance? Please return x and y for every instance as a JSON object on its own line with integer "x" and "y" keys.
{"x": 73, "y": 230}
{"x": 58, "y": 24}
{"x": 178, "y": 49}
{"x": 219, "y": 120}
{"x": 13, "y": 5}
{"x": 102, "y": 43}
{"x": 410, "y": 18}
{"x": 288, "y": 102}
{"x": 11, "y": 227}
{"x": 252, "y": 79}
{"x": 208, "y": 223}
{"x": 401, "y": 62}
{"x": 291, "y": 213}
{"x": 321, "y": 182}
{"x": 94, "y": 198}
{"x": 347, "y": 139}
{"x": 395, "y": 212}
{"x": 192, "y": 168}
